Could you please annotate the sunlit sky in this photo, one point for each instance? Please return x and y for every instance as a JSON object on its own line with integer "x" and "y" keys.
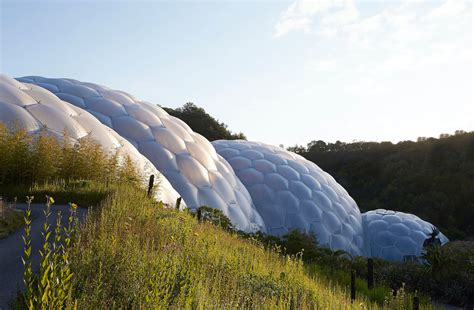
{"x": 281, "y": 72}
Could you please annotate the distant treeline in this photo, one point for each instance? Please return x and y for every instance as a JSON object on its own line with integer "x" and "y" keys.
{"x": 200, "y": 121}
{"x": 432, "y": 178}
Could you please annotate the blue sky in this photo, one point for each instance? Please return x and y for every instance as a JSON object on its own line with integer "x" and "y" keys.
{"x": 281, "y": 72}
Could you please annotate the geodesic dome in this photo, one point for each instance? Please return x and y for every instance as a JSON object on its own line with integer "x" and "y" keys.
{"x": 185, "y": 158}
{"x": 35, "y": 108}
{"x": 396, "y": 236}
{"x": 291, "y": 192}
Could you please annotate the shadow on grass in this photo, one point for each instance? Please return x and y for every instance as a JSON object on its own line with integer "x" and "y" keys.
{"x": 83, "y": 193}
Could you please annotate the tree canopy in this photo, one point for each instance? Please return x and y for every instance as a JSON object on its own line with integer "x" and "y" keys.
{"x": 201, "y": 122}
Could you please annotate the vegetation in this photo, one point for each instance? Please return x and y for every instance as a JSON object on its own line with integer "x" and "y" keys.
{"x": 40, "y": 165}
{"x": 214, "y": 216}
{"x": 447, "y": 272}
{"x": 201, "y": 122}
{"x": 131, "y": 252}
{"x": 51, "y": 287}
{"x": 28, "y": 160}
{"x": 134, "y": 253}
{"x": 10, "y": 219}
{"x": 432, "y": 178}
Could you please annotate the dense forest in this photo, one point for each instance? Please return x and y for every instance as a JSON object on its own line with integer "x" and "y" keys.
{"x": 432, "y": 178}
{"x": 200, "y": 121}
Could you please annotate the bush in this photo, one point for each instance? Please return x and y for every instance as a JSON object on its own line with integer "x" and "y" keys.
{"x": 215, "y": 217}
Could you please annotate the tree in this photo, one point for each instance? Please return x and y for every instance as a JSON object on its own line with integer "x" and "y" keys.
{"x": 203, "y": 123}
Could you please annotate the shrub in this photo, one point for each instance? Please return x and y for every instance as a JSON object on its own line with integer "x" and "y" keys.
{"x": 215, "y": 217}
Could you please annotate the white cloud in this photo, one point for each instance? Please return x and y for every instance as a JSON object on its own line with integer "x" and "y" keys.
{"x": 299, "y": 15}
{"x": 399, "y": 37}
{"x": 290, "y": 24}
{"x": 449, "y": 9}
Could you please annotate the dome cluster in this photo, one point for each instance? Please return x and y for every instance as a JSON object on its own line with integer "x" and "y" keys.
{"x": 258, "y": 186}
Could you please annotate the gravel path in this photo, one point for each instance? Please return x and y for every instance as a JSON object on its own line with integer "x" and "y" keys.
{"x": 11, "y": 250}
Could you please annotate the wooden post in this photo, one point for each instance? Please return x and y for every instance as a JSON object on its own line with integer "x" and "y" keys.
{"x": 353, "y": 287}
{"x": 416, "y": 303}
{"x": 370, "y": 273}
{"x": 150, "y": 184}
{"x": 178, "y": 203}
{"x": 199, "y": 214}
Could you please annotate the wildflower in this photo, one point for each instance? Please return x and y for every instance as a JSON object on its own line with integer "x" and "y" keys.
{"x": 73, "y": 206}
{"x": 50, "y": 200}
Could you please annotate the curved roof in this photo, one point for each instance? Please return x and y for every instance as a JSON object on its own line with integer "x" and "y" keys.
{"x": 35, "y": 108}
{"x": 396, "y": 235}
{"x": 184, "y": 157}
{"x": 291, "y": 192}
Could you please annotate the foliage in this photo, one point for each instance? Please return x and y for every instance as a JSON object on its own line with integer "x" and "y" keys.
{"x": 214, "y": 216}
{"x": 10, "y": 219}
{"x": 26, "y": 160}
{"x": 131, "y": 252}
{"x": 432, "y": 178}
{"x": 136, "y": 254}
{"x": 451, "y": 280}
{"x": 447, "y": 274}
{"x": 85, "y": 193}
{"x": 51, "y": 287}
{"x": 201, "y": 122}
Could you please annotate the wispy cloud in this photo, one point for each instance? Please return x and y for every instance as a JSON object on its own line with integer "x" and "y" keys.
{"x": 397, "y": 37}
{"x": 299, "y": 15}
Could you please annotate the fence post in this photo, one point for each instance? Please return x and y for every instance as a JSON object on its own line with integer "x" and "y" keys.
{"x": 416, "y": 303}
{"x": 353, "y": 288}
{"x": 370, "y": 273}
{"x": 199, "y": 214}
{"x": 178, "y": 203}
{"x": 150, "y": 184}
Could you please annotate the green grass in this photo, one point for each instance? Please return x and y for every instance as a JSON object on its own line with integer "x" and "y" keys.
{"x": 133, "y": 253}
{"x": 83, "y": 193}
{"x": 10, "y": 219}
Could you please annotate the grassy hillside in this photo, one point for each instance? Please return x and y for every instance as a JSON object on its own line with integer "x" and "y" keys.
{"x": 133, "y": 253}
{"x": 137, "y": 254}
{"x": 432, "y": 178}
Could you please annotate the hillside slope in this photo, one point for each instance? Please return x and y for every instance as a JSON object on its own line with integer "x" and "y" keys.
{"x": 135, "y": 253}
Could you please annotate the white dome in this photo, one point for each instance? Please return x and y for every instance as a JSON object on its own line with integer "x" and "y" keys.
{"x": 291, "y": 192}
{"x": 34, "y": 108}
{"x": 395, "y": 235}
{"x": 184, "y": 157}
